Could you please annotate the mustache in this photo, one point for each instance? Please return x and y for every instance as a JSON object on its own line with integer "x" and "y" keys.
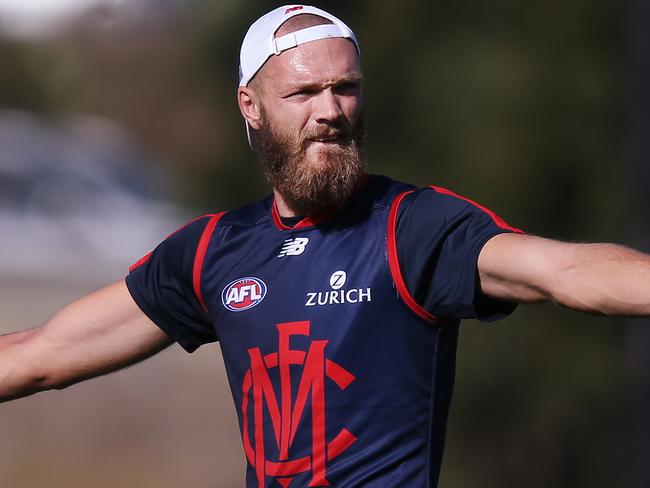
{"x": 328, "y": 132}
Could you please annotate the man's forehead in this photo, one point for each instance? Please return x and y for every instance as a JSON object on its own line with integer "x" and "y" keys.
{"x": 315, "y": 61}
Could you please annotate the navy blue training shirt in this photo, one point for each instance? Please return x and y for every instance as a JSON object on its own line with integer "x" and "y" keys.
{"x": 338, "y": 336}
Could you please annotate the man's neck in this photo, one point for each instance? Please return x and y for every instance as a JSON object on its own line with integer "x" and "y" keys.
{"x": 283, "y": 208}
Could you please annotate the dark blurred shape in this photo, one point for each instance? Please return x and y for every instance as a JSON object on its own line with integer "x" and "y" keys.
{"x": 76, "y": 198}
{"x": 20, "y": 85}
{"x": 638, "y": 331}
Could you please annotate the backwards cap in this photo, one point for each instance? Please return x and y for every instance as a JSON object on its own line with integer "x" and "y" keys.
{"x": 260, "y": 43}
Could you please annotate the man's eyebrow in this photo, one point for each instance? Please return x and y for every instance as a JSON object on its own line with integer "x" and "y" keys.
{"x": 349, "y": 78}
{"x": 352, "y": 76}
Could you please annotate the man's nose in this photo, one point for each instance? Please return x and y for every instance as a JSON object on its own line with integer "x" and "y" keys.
{"x": 327, "y": 107}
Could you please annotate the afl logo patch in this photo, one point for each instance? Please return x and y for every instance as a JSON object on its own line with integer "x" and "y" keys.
{"x": 243, "y": 294}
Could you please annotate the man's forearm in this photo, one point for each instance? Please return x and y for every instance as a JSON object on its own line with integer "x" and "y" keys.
{"x": 18, "y": 378}
{"x": 95, "y": 335}
{"x": 606, "y": 279}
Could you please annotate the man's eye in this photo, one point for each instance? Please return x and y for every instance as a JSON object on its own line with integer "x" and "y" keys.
{"x": 347, "y": 88}
{"x": 301, "y": 93}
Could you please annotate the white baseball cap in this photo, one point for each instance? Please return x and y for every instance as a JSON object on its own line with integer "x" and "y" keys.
{"x": 260, "y": 43}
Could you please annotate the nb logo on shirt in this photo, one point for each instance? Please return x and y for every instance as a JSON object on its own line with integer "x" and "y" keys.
{"x": 294, "y": 247}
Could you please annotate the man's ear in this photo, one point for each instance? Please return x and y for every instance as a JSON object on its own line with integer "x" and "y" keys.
{"x": 249, "y": 106}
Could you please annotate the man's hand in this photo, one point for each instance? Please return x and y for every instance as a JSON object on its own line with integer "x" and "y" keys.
{"x": 99, "y": 333}
{"x": 598, "y": 278}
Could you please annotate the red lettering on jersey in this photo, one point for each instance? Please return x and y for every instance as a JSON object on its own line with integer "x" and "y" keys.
{"x": 285, "y": 415}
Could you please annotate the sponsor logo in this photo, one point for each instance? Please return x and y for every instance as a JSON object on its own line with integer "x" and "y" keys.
{"x": 282, "y": 416}
{"x": 243, "y": 294}
{"x": 338, "y": 279}
{"x": 337, "y": 295}
{"x": 293, "y": 247}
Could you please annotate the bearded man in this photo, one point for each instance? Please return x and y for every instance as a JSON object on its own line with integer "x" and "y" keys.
{"x": 336, "y": 300}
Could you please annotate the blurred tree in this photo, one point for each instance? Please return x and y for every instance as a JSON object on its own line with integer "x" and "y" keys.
{"x": 21, "y": 82}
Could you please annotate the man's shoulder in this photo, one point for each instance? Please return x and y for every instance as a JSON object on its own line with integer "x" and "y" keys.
{"x": 249, "y": 214}
{"x": 245, "y": 215}
{"x": 439, "y": 197}
{"x": 441, "y": 204}
{"x": 383, "y": 189}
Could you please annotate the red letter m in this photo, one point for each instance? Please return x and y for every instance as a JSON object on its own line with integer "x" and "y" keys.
{"x": 285, "y": 417}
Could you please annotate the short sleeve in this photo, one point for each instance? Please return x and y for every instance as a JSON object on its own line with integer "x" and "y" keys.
{"x": 161, "y": 284}
{"x": 439, "y": 237}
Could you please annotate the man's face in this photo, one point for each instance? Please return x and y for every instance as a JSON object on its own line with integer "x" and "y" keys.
{"x": 310, "y": 130}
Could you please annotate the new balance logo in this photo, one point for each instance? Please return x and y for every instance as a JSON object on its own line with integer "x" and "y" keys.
{"x": 293, "y": 247}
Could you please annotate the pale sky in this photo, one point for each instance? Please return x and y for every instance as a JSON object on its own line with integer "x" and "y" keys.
{"x": 26, "y": 18}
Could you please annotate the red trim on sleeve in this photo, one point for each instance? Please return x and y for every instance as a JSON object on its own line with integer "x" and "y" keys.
{"x": 497, "y": 220}
{"x": 199, "y": 257}
{"x": 140, "y": 261}
{"x": 393, "y": 263}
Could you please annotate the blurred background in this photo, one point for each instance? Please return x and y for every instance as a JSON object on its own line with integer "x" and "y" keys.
{"x": 118, "y": 121}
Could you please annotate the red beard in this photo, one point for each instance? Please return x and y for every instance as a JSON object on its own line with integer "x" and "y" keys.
{"x": 322, "y": 182}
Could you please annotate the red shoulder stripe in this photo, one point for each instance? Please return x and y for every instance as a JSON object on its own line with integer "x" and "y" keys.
{"x": 140, "y": 261}
{"x": 199, "y": 257}
{"x": 393, "y": 263}
{"x": 497, "y": 220}
{"x": 147, "y": 256}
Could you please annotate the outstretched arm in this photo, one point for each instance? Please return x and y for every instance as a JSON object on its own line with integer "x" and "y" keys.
{"x": 603, "y": 279}
{"x": 99, "y": 333}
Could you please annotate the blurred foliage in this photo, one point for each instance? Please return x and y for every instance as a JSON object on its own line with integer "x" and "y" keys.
{"x": 20, "y": 86}
{"x": 517, "y": 104}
